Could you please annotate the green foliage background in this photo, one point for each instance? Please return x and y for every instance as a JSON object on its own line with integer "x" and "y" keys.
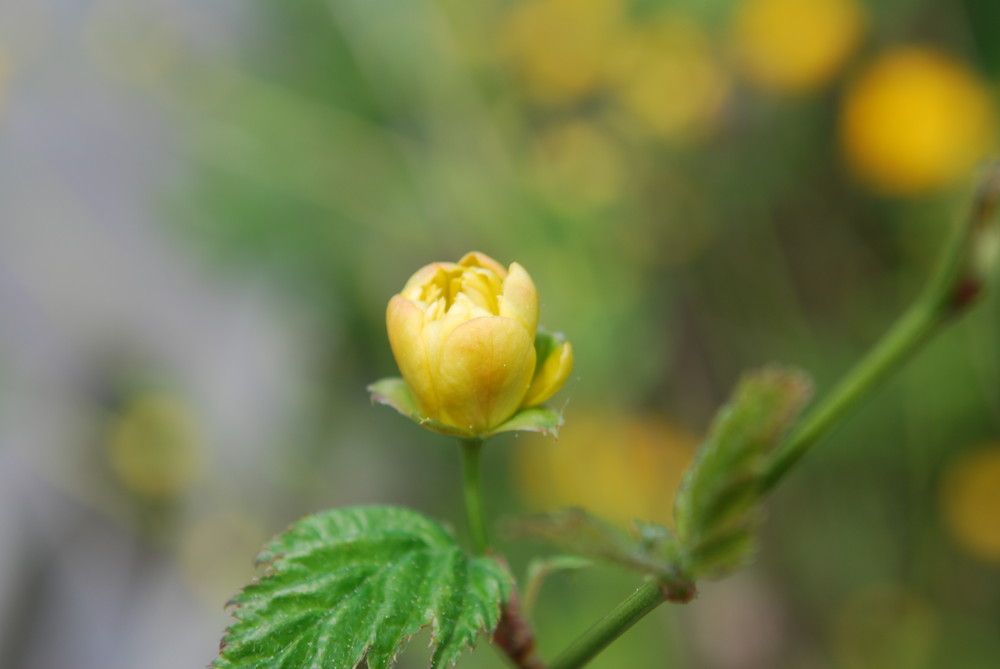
{"x": 333, "y": 148}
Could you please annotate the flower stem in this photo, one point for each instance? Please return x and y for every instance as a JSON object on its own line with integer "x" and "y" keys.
{"x": 471, "y": 483}
{"x": 905, "y": 337}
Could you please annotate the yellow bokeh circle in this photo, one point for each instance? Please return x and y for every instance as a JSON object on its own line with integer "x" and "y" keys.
{"x": 155, "y": 446}
{"x": 559, "y": 48}
{"x": 970, "y": 501}
{"x": 669, "y": 78}
{"x": 916, "y": 120}
{"x": 622, "y": 468}
{"x": 795, "y": 45}
{"x": 884, "y": 625}
{"x": 577, "y": 164}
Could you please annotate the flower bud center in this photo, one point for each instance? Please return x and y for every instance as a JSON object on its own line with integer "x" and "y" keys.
{"x": 475, "y": 290}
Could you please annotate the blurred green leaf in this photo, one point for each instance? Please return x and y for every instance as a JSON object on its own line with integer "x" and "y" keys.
{"x": 983, "y": 19}
{"x": 717, "y": 506}
{"x": 288, "y": 142}
{"x": 358, "y": 583}
{"x": 579, "y": 532}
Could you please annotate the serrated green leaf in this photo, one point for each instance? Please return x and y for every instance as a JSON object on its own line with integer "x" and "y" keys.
{"x": 357, "y": 583}
{"x": 717, "y": 505}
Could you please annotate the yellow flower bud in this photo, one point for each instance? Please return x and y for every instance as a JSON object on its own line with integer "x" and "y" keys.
{"x": 463, "y": 335}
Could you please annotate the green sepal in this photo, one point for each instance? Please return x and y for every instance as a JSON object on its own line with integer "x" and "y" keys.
{"x": 393, "y": 392}
{"x": 546, "y": 343}
{"x": 533, "y": 419}
{"x": 357, "y": 583}
{"x": 717, "y": 508}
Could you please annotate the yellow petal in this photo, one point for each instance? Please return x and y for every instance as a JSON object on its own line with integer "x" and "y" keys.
{"x": 551, "y": 377}
{"x": 483, "y": 370}
{"x": 423, "y": 277}
{"x": 482, "y": 287}
{"x": 520, "y": 299}
{"x": 405, "y": 323}
{"x": 477, "y": 259}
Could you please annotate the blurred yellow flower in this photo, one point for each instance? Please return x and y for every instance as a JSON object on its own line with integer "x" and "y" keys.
{"x": 795, "y": 45}
{"x": 155, "y": 447}
{"x": 622, "y": 468}
{"x": 669, "y": 79}
{"x": 576, "y": 164}
{"x": 560, "y": 47}
{"x": 463, "y": 335}
{"x": 916, "y": 120}
{"x": 970, "y": 500}
{"x": 884, "y": 625}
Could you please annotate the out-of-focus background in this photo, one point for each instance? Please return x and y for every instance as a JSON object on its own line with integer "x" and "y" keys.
{"x": 204, "y": 208}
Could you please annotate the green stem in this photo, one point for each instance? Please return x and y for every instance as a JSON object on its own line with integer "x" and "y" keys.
{"x": 966, "y": 265}
{"x": 905, "y": 337}
{"x": 612, "y": 626}
{"x": 471, "y": 451}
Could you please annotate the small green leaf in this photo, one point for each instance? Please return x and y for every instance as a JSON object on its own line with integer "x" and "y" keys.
{"x": 357, "y": 583}
{"x": 540, "y": 568}
{"x": 717, "y": 506}
{"x": 534, "y": 419}
{"x": 650, "y": 551}
{"x": 551, "y": 564}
